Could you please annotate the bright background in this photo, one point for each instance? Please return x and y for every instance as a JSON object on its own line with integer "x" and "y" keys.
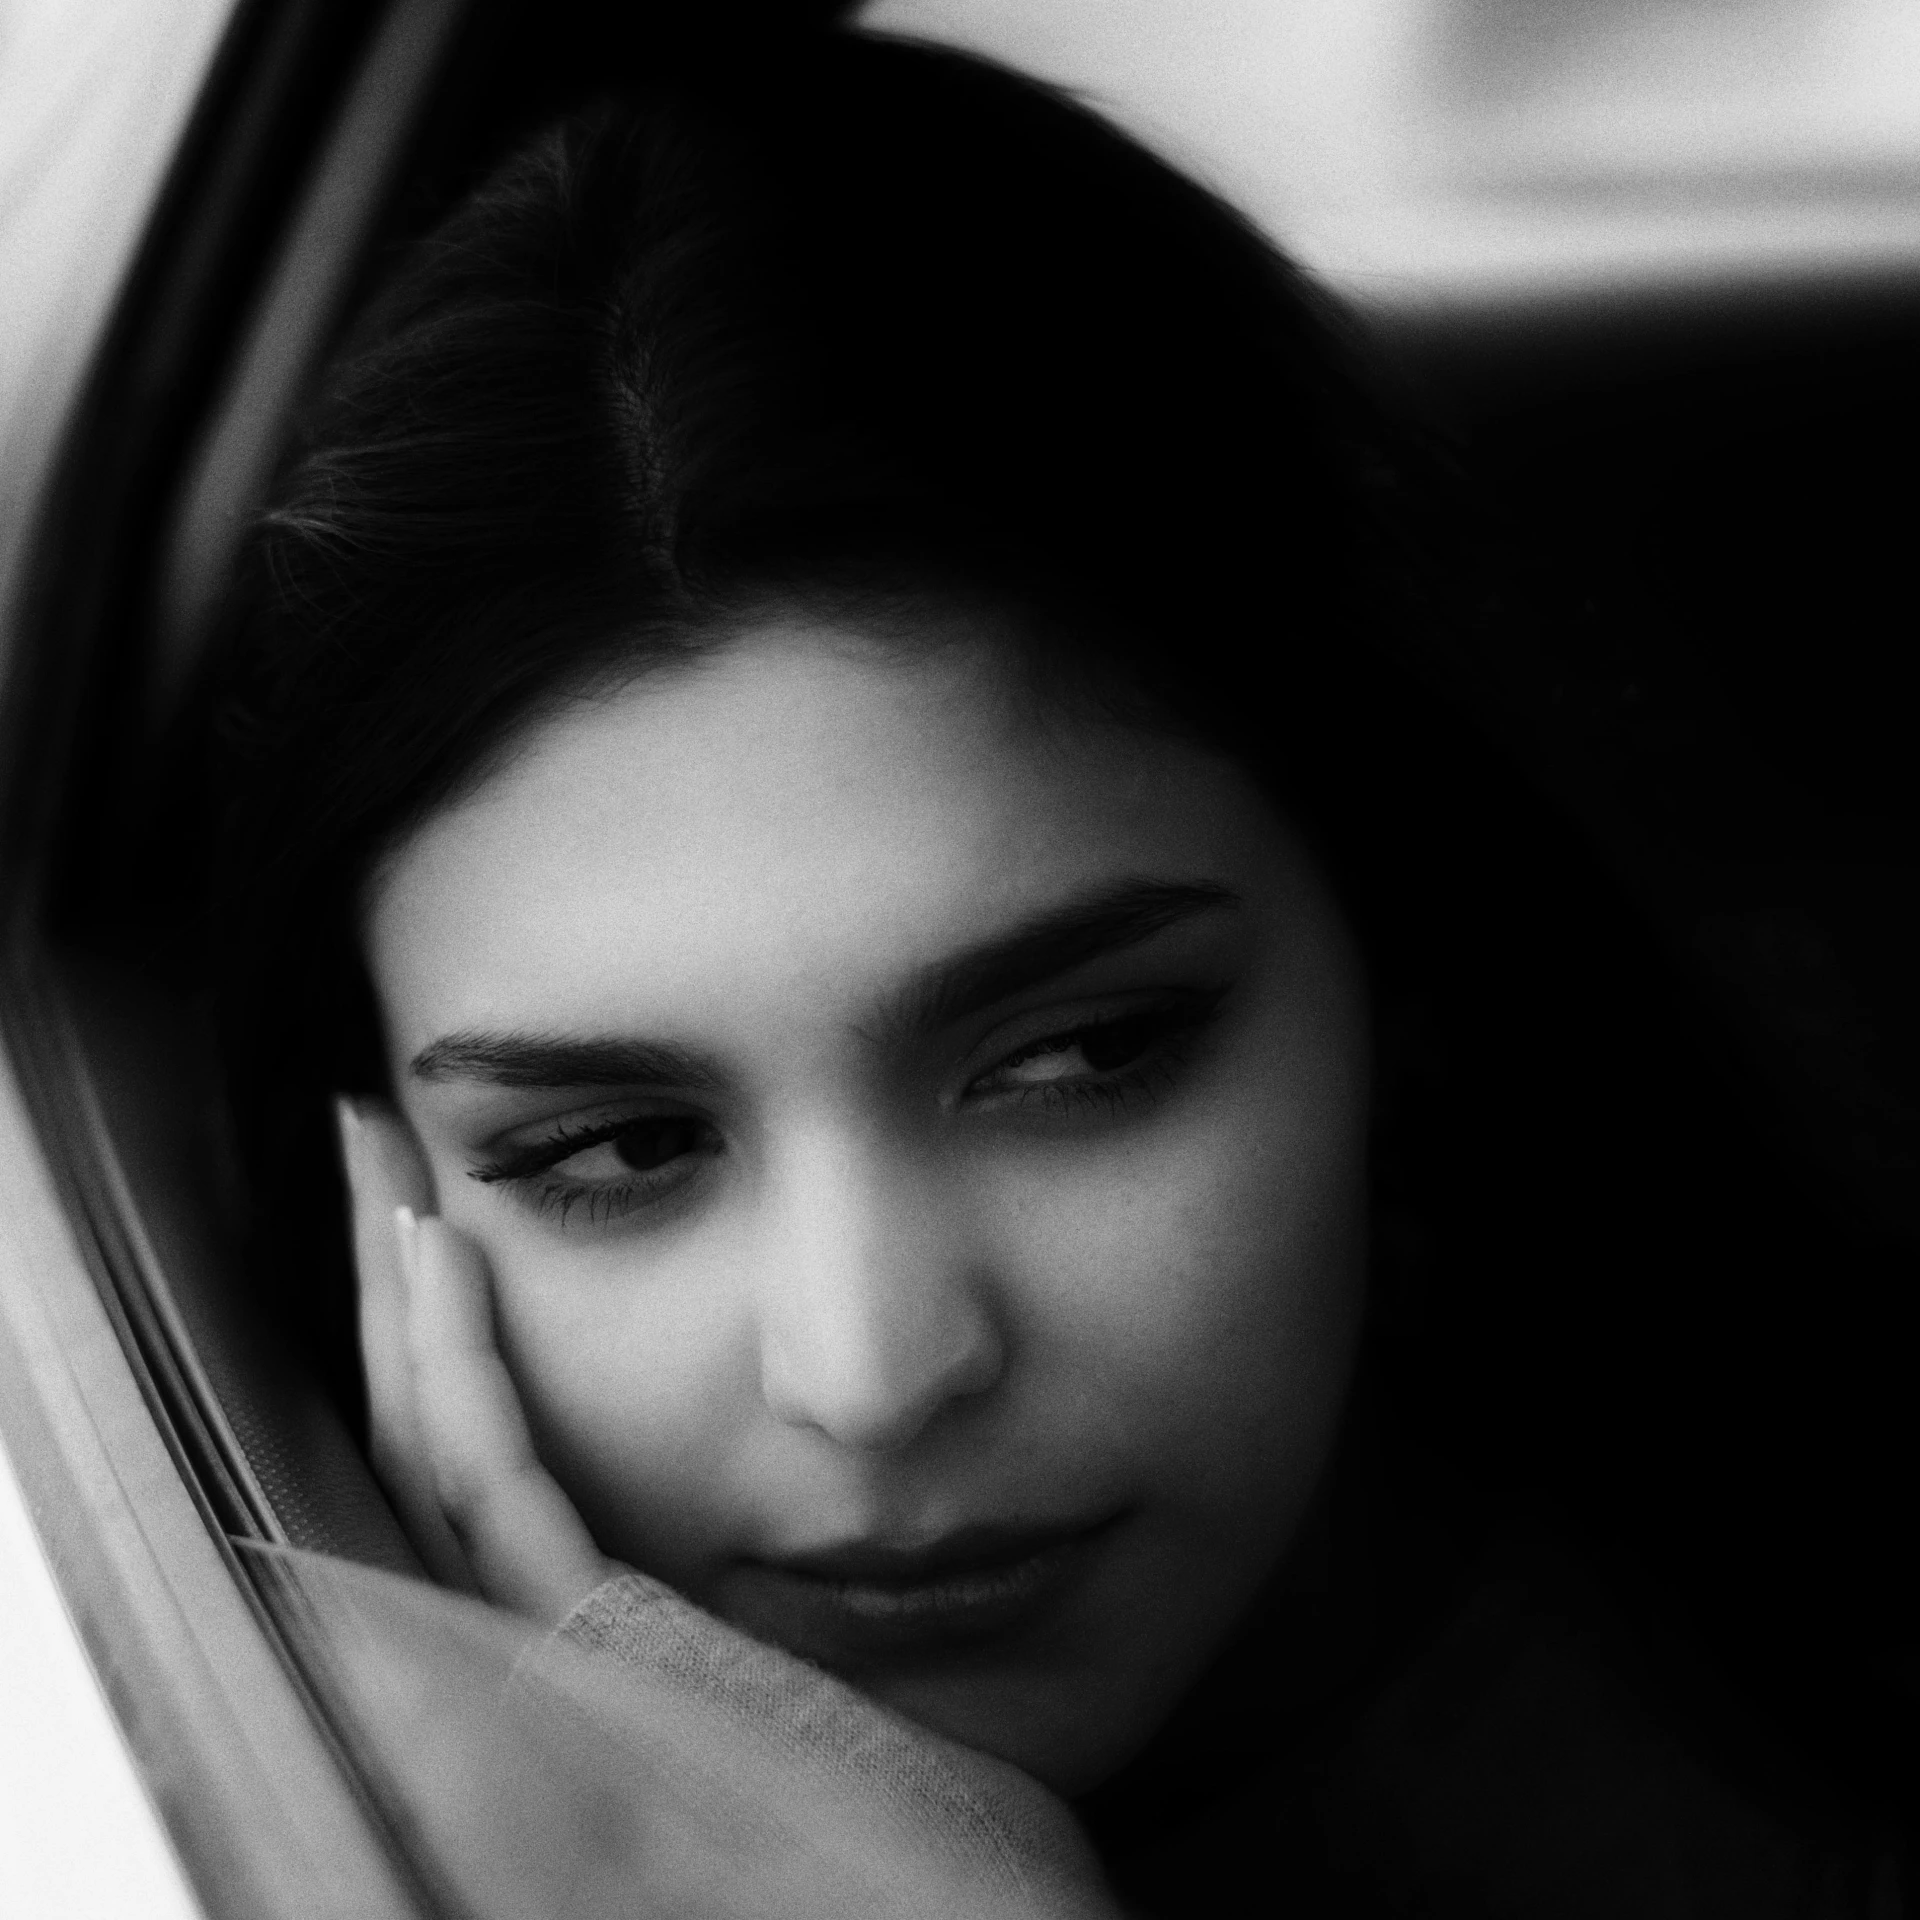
{"x": 1441, "y": 152}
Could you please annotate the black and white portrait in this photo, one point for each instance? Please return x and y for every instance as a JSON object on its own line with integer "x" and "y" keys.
{"x": 959, "y": 960}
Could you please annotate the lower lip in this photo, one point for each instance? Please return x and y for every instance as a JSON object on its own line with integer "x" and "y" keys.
{"x": 848, "y": 1623}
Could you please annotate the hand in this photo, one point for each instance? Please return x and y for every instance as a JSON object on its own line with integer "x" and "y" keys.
{"x": 807, "y": 1787}
{"x": 449, "y": 1437}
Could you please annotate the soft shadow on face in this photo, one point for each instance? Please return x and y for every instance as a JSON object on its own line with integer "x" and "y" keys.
{"x": 918, "y": 1144}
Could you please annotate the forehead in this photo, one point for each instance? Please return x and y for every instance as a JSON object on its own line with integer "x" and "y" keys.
{"x": 798, "y": 804}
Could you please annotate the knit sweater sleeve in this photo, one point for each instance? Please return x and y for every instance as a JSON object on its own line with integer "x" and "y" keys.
{"x": 966, "y": 1828}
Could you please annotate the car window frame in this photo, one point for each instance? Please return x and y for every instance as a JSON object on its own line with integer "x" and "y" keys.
{"x": 137, "y": 1486}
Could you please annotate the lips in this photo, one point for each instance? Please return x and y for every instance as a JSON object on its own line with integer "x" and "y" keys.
{"x": 873, "y": 1601}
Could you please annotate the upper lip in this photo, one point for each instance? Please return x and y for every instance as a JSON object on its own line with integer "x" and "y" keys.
{"x": 966, "y": 1550}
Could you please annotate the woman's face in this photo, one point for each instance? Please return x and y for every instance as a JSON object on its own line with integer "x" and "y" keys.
{"x": 918, "y": 1144}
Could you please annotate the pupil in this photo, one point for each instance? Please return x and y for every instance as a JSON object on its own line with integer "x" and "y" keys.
{"x": 654, "y": 1142}
{"x": 1113, "y": 1045}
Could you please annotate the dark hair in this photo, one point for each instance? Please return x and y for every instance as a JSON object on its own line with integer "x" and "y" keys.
{"x": 882, "y": 328}
{"x": 879, "y": 326}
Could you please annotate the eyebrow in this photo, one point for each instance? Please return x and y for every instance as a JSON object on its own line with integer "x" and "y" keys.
{"x": 1054, "y": 943}
{"x": 1044, "y": 948}
{"x": 548, "y": 1060}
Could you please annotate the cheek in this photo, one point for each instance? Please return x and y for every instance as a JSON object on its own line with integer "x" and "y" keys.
{"x": 1208, "y": 1286}
{"x": 638, "y": 1386}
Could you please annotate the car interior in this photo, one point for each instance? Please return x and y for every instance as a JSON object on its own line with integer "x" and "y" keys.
{"x": 1704, "y": 481}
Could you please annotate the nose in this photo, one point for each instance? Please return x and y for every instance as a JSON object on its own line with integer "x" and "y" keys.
{"x": 874, "y": 1313}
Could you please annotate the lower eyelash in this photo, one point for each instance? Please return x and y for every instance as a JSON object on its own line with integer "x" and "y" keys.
{"x": 1111, "y": 1095}
{"x": 556, "y": 1199}
{"x": 530, "y": 1179}
{"x": 548, "y": 1195}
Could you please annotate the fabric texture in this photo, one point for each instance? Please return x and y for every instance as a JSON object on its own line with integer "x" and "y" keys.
{"x": 978, "y": 1823}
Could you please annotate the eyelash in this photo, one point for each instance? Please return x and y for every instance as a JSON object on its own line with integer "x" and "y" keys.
{"x": 1170, "y": 1032}
{"x": 520, "y": 1171}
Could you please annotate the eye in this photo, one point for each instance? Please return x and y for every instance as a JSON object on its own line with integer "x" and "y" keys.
{"x": 1131, "y": 1056}
{"x": 641, "y": 1146}
{"x": 1074, "y": 1055}
{"x": 613, "y": 1167}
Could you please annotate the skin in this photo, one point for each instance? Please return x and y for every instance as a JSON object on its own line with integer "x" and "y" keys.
{"x": 912, "y": 1275}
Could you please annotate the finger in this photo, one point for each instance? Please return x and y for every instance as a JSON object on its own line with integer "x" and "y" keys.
{"x": 523, "y": 1537}
{"x": 385, "y": 1174}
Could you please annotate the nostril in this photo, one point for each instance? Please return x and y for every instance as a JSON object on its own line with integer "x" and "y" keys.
{"x": 979, "y": 1365}
{"x": 876, "y": 1387}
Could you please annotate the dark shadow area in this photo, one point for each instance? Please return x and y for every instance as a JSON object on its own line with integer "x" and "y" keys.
{"x": 1707, "y": 505}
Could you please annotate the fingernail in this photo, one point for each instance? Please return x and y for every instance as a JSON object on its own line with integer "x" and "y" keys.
{"x": 347, "y": 1122}
{"x": 406, "y": 1231}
